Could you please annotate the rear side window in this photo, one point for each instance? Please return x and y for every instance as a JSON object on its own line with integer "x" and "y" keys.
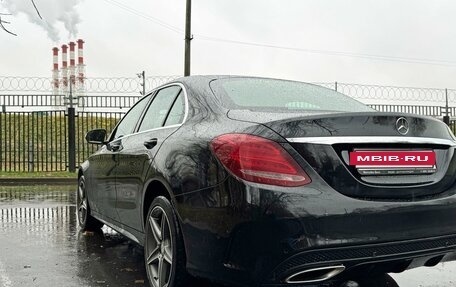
{"x": 177, "y": 112}
{"x": 157, "y": 112}
{"x": 280, "y": 95}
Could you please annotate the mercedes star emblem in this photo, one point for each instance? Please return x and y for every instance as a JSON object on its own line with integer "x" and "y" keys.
{"x": 402, "y": 126}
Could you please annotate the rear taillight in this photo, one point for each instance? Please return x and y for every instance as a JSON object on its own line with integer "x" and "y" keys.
{"x": 259, "y": 160}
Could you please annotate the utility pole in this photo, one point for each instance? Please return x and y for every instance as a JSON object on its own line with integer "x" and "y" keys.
{"x": 71, "y": 132}
{"x": 142, "y": 76}
{"x": 446, "y": 117}
{"x": 188, "y": 36}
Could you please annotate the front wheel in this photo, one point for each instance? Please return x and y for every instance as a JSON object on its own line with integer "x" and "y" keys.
{"x": 85, "y": 220}
{"x": 164, "y": 247}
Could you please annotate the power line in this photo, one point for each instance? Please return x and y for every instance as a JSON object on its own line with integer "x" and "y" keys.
{"x": 176, "y": 29}
{"x": 145, "y": 16}
{"x": 333, "y": 53}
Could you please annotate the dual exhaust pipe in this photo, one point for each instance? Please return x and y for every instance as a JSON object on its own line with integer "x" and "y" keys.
{"x": 315, "y": 275}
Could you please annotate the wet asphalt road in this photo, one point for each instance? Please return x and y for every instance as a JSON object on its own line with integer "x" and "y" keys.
{"x": 40, "y": 245}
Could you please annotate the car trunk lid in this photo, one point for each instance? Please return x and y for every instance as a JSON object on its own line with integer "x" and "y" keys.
{"x": 328, "y": 141}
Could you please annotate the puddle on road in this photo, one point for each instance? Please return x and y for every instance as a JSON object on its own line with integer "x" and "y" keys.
{"x": 40, "y": 244}
{"x": 40, "y": 194}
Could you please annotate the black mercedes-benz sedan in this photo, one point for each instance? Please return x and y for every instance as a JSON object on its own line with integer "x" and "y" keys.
{"x": 264, "y": 182}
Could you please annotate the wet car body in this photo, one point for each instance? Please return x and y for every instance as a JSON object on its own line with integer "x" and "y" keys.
{"x": 247, "y": 233}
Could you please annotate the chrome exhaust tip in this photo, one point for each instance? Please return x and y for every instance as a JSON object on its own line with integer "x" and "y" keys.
{"x": 315, "y": 274}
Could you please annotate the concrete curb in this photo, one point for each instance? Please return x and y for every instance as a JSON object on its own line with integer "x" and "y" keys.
{"x": 18, "y": 181}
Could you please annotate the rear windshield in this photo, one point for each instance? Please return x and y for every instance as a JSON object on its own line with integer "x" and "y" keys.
{"x": 279, "y": 95}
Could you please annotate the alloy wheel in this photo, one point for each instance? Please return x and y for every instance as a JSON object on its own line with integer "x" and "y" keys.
{"x": 159, "y": 248}
{"x": 82, "y": 203}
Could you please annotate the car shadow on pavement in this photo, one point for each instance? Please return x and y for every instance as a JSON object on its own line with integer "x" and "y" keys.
{"x": 106, "y": 258}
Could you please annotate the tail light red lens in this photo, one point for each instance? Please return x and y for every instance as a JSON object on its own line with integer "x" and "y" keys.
{"x": 259, "y": 160}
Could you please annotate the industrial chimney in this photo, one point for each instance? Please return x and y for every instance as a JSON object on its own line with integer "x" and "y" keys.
{"x": 71, "y": 75}
{"x": 72, "y": 64}
{"x": 55, "y": 74}
{"x": 64, "y": 70}
{"x": 81, "y": 69}
{"x": 63, "y": 77}
{"x": 55, "y": 70}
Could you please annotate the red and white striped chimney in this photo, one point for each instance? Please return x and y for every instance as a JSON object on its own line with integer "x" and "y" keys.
{"x": 65, "y": 68}
{"x": 81, "y": 63}
{"x": 55, "y": 70}
{"x": 72, "y": 63}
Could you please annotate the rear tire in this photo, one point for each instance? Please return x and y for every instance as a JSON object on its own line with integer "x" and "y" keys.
{"x": 85, "y": 220}
{"x": 164, "y": 252}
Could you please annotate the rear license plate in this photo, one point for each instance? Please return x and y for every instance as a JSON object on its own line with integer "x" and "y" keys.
{"x": 391, "y": 162}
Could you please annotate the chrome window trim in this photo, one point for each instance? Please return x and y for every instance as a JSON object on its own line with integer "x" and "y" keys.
{"x": 370, "y": 140}
{"x": 165, "y": 127}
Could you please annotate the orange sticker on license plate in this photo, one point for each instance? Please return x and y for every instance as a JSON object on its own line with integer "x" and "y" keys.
{"x": 391, "y": 158}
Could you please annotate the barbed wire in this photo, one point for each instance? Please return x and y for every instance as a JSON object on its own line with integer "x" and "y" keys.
{"x": 91, "y": 85}
{"x": 133, "y": 85}
{"x": 451, "y": 96}
{"x": 375, "y": 92}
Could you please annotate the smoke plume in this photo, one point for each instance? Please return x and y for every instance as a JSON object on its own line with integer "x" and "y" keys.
{"x": 54, "y": 13}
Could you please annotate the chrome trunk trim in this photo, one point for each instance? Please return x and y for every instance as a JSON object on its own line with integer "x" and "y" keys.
{"x": 371, "y": 140}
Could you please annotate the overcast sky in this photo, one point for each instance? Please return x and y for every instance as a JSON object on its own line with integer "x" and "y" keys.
{"x": 122, "y": 41}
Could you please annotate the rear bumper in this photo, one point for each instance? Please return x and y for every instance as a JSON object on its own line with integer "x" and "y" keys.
{"x": 384, "y": 257}
{"x": 247, "y": 235}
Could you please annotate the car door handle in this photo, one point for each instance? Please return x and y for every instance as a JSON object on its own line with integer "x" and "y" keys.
{"x": 149, "y": 144}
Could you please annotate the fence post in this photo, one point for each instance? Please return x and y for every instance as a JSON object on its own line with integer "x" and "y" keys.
{"x": 71, "y": 133}
{"x": 446, "y": 117}
{"x": 1, "y": 144}
{"x": 31, "y": 156}
{"x": 335, "y": 86}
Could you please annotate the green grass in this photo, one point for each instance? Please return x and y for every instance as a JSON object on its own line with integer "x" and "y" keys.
{"x": 45, "y": 135}
{"x": 18, "y": 174}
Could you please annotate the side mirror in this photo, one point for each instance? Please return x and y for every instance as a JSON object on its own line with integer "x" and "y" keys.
{"x": 97, "y": 136}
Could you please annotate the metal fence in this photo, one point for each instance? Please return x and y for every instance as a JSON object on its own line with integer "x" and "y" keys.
{"x": 44, "y": 132}
{"x": 40, "y": 132}
{"x": 40, "y": 141}
{"x": 33, "y": 141}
